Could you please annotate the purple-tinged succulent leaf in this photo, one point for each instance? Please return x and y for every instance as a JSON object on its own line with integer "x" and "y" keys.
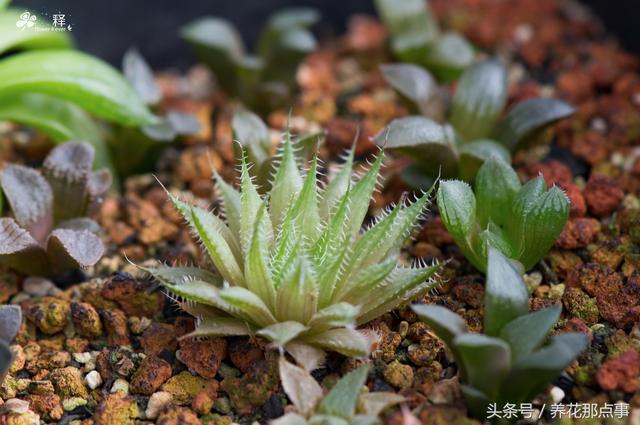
{"x": 30, "y": 198}
{"x": 10, "y": 321}
{"x": 81, "y": 223}
{"x": 67, "y": 169}
{"x": 72, "y": 249}
{"x": 6, "y": 358}
{"x": 19, "y": 250}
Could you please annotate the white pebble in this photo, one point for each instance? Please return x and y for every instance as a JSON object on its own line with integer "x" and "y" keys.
{"x": 37, "y": 286}
{"x": 82, "y": 358}
{"x": 120, "y": 385}
{"x": 157, "y": 402}
{"x": 93, "y": 379}
{"x": 557, "y": 394}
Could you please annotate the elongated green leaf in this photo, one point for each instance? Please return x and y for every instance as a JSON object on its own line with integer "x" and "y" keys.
{"x": 528, "y": 118}
{"x": 479, "y": 99}
{"x": 432, "y": 144}
{"x": 286, "y": 184}
{"x": 253, "y": 135}
{"x": 337, "y": 188}
{"x": 256, "y": 267}
{"x": 217, "y": 43}
{"x": 351, "y": 288}
{"x": 180, "y": 275}
{"x": 411, "y": 26}
{"x": 78, "y": 78}
{"x": 474, "y": 154}
{"x": 196, "y": 291}
{"x": 342, "y": 399}
{"x": 230, "y": 203}
{"x": 345, "y": 341}
{"x": 411, "y": 81}
{"x": 282, "y": 333}
{"x": 14, "y": 38}
{"x": 506, "y": 297}
{"x": 336, "y": 315}
{"x": 221, "y": 326}
{"x": 249, "y": 303}
{"x": 497, "y": 185}
{"x": 250, "y": 204}
{"x": 59, "y": 119}
{"x": 297, "y": 297}
{"x": 306, "y": 207}
{"x": 526, "y": 333}
{"x": 448, "y": 56}
{"x": 457, "y": 205}
{"x": 486, "y": 361}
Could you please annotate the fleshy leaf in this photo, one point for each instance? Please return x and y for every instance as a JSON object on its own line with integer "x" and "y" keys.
{"x": 480, "y": 97}
{"x": 282, "y": 333}
{"x": 337, "y": 188}
{"x": 474, "y": 154}
{"x": 448, "y": 56}
{"x": 256, "y": 267}
{"x": 20, "y": 251}
{"x": 528, "y": 118}
{"x": 301, "y": 388}
{"x": 506, "y": 297}
{"x": 10, "y": 321}
{"x": 6, "y": 358}
{"x": 286, "y": 184}
{"x": 411, "y": 81}
{"x": 432, "y": 144}
{"x": 140, "y": 75}
{"x": 526, "y": 333}
{"x": 307, "y": 356}
{"x": 290, "y": 419}
{"x": 343, "y": 398}
{"x": 373, "y": 404}
{"x": 30, "y": 197}
{"x": 297, "y": 297}
{"x": 250, "y": 304}
{"x": 346, "y": 341}
{"x": 336, "y": 315}
{"x": 71, "y": 249}
{"x": 76, "y": 77}
{"x": 253, "y": 135}
{"x": 497, "y": 185}
{"x": 14, "y": 38}
{"x": 221, "y": 326}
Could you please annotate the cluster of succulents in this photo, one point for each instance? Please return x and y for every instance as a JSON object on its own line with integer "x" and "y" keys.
{"x": 293, "y": 264}
{"x": 510, "y": 362}
{"x": 262, "y": 80}
{"x": 522, "y": 221}
{"x": 476, "y": 128}
{"x": 50, "y": 232}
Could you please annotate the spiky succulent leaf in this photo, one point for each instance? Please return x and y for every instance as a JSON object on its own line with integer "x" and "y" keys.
{"x": 343, "y": 397}
{"x": 528, "y": 332}
{"x": 345, "y": 341}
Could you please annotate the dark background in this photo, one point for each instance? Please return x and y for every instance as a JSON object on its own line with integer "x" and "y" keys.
{"x": 107, "y": 28}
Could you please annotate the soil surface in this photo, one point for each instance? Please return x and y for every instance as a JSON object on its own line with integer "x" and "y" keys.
{"x": 103, "y": 346}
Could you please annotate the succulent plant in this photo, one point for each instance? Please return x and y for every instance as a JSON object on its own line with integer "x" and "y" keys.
{"x": 262, "y": 80}
{"x": 475, "y": 130}
{"x": 49, "y": 232}
{"x": 10, "y": 321}
{"x": 510, "y": 362}
{"x": 416, "y": 38}
{"x": 522, "y": 221}
{"x": 344, "y": 404}
{"x": 295, "y": 267}
{"x": 46, "y": 85}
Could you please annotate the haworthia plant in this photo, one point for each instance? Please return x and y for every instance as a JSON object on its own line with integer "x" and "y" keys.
{"x": 475, "y": 129}
{"x": 10, "y": 321}
{"x": 416, "y": 38}
{"x": 294, "y": 266}
{"x": 263, "y": 79}
{"x": 514, "y": 360}
{"x": 522, "y": 221}
{"x": 346, "y": 403}
{"x": 49, "y": 232}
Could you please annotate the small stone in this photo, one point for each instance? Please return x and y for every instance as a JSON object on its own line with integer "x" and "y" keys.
{"x": 38, "y": 286}
{"x": 184, "y": 387}
{"x": 178, "y": 416}
{"x": 68, "y": 382}
{"x": 15, "y": 405}
{"x": 243, "y": 353}
{"x": 602, "y": 194}
{"x": 19, "y": 359}
{"x": 137, "y": 325}
{"x": 157, "y": 402}
{"x": 157, "y": 338}
{"x": 120, "y": 386}
{"x": 203, "y": 356}
{"x": 622, "y": 372}
{"x": 27, "y": 418}
{"x": 115, "y": 323}
{"x": 151, "y": 374}
{"x": 46, "y": 405}
{"x": 49, "y": 314}
{"x": 202, "y": 404}
{"x": 93, "y": 380}
{"x": 116, "y": 409}
{"x": 69, "y": 404}
{"x": 86, "y": 320}
{"x": 132, "y": 296}
{"x": 557, "y": 394}
{"x": 398, "y": 375}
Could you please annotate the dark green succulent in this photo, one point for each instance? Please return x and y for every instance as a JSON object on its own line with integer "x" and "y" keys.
{"x": 10, "y": 321}
{"x": 416, "y": 38}
{"x": 522, "y": 221}
{"x": 49, "y": 232}
{"x": 514, "y": 360}
{"x": 475, "y": 128}
{"x": 267, "y": 78}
